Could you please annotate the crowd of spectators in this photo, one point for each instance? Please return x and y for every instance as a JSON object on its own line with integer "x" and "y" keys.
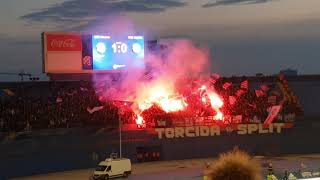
{"x": 60, "y": 105}
{"x": 254, "y": 103}
{"x": 243, "y": 102}
{"x": 76, "y": 104}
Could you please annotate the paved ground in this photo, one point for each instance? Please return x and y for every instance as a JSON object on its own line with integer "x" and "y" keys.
{"x": 184, "y": 169}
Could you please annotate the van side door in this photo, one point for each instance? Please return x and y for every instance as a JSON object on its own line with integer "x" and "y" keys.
{"x": 117, "y": 168}
{"x": 109, "y": 171}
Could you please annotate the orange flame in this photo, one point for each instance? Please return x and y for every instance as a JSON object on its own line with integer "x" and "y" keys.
{"x": 215, "y": 100}
{"x": 218, "y": 116}
{"x": 139, "y": 120}
{"x": 203, "y": 99}
{"x": 163, "y": 95}
{"x": 216, "y": 104}
{"x": 203, "y": 87}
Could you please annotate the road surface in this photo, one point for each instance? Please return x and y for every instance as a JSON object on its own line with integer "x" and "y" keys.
{"x": 185, "y": 169}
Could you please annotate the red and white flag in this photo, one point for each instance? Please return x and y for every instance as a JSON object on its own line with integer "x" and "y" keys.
{"x": 95, "y": 109}
{"x": 244, "y": 84}
{"x": 232, "y": 100}
{"x": 226, "y": 85}
{"x": 240, "y": 92}
{"x": 214, "y": 78}
{"x": 259, "y": 93}
{"x": 213, "y": 81}
{"x": 101, "y": 98}
{"x": 59, "y": 100}
{"x": 264, "y": 87}
{"x": 83, "y": 89}
{"x": 274, "y": 111}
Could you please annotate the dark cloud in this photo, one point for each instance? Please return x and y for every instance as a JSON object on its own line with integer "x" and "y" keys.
{"x": 232, "y": 2}
{"x": 76, "y": 10}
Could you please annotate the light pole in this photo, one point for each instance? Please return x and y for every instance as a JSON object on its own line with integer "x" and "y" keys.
{"x": 120, "y": 142}
{"x": 120, "y": 133}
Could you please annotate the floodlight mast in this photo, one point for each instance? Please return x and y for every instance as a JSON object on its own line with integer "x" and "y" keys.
{"x": 120, "y": 141}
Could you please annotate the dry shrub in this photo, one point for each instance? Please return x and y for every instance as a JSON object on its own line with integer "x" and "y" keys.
{"x": 234, "y": 165}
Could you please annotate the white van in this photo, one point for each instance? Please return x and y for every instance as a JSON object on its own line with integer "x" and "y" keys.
{"x": 111, "y": 168}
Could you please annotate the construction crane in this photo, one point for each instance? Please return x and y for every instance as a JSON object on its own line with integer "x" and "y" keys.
{"x": 21, "y": 74}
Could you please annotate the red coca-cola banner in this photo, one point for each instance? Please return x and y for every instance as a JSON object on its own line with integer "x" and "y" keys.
{"x": 63, "y": 42}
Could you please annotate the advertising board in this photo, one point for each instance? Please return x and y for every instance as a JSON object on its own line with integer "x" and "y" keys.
{"x": 85, "y": 53}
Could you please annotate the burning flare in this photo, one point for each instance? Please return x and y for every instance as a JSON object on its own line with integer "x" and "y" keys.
{"x": 165, "y": 96}
{"x": 139, "y": 120}
{"x": 215, "y": 100}
{"x": 208, "y": 95}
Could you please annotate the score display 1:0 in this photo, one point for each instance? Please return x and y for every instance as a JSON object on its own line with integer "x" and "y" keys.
{"x": 119, "y": 47}
{"x": 124, "y": 52}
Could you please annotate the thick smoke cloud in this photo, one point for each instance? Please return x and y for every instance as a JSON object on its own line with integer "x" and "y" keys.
{"x": 180, "y": 59}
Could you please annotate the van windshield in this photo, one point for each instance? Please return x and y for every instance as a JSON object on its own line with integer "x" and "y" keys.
{"x": 101, "y": 168}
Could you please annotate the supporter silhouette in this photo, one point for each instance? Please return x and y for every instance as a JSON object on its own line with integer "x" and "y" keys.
{"x": 65, "y": 104}
{"x": 234, "y": 165}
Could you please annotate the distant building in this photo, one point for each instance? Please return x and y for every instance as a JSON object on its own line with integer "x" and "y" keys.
{"x": 289, "y": 72}
{"x": 259, "y": 75}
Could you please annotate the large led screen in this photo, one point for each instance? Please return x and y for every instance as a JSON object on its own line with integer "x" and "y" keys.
{"x": 110, "y": 53}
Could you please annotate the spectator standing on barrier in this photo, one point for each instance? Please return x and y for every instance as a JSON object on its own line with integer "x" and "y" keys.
{"x": 205, "y": 174}
{"x": 286, "y": 175}
{"x": 271, "y": 175}
{"x": 95, "y": 158}
{"x": 2, "y": 124}
{"x": 270, "y": 171}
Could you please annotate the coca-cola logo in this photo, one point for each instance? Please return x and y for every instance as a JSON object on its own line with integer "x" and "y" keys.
{"x": 63, "y": 43}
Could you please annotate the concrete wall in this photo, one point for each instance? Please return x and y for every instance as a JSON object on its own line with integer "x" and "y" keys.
{"x": 66, "y": 149}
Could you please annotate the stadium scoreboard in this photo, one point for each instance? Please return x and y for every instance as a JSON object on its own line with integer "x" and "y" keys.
{"x": 86, "y": 53}
{"x": 107, "y": 53}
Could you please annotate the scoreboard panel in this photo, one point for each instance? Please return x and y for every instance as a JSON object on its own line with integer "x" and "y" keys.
{"x": 86, "y": 53}
{"x": 117, "y": 54}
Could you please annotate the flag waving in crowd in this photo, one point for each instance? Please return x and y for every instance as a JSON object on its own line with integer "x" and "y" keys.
{"x": 264, "y": 87}
{"x": 232, "y": 100}
{"x": 83, "y": 89}
{"x": 94, "y": 109}
{"x": 259, "y": 93}
{"x": 273, "y": 112}
{"x": 214, "y": 78}
{"x": 59, "y": 100}
{"x": 226, "y": 85}
{"x": 244, "y": 84}
{"x": 66, "y": 103}
{"x": 240, "y": 92}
